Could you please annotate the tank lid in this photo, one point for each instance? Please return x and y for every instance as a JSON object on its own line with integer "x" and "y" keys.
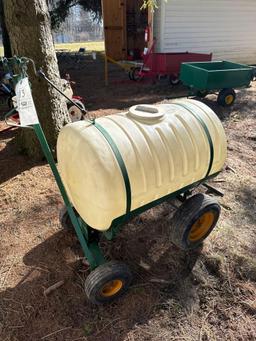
{"x": 146, "y": 111}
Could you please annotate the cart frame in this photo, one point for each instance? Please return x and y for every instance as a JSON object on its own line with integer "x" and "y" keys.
{"x": 87, "y": 236}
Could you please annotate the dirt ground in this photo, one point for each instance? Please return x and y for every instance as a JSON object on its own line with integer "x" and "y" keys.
{"x": 207, "y": 294}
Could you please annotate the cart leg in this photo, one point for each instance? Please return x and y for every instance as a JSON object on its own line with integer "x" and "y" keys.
{"x": 89, "y": 245}
{"x": 93, "y": 254}
{"x": 88, "y": 242}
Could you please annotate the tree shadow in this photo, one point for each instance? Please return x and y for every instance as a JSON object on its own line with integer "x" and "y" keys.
{"x": 211, "y": 101}
{"x": 120, "y": 93}
{"x": 161, "y": 272}
{"x": 12, "y": 162}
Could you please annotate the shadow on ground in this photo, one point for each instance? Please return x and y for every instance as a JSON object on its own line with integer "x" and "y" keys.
{"x": 121, "y": 93}
{"x": 12, "y": 162}
{"x": 161, "y": 272}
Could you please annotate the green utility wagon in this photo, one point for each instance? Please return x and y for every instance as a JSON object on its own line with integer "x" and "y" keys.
{"x": 203, "y": 78}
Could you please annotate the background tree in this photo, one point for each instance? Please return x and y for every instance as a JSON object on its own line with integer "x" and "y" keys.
{"x": 78, "y": 26}
{"x": 151, "y": 4}
{"x": 5, "y": 35}
{"x": 29, "y": 27}
{"x": 59, "y": 9}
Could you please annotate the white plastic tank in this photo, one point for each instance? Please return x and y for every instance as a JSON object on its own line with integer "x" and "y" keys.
{"x": 164, "y": 147}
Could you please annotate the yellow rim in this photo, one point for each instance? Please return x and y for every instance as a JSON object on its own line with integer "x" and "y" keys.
{"x": 229, "y": 99}
{"x": 111, "y": 288}
{"x": 201, "y": 227}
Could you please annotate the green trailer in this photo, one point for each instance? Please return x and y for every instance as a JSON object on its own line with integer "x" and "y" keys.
{"x": 203, "y": 78}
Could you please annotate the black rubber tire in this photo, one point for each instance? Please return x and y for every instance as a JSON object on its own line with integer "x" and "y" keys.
{"x": 130, "y": 74}
{"x": 135, "y": 74}
{"x": 80, "y": 104}
{"x": 185, "y": 217}
{"x": 104, "y": 274}
{"x": 174, "y": 80}
{"x": 223, "y": 97}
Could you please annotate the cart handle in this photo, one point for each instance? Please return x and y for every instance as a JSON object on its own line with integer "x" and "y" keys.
{"x": 40, "y": 73}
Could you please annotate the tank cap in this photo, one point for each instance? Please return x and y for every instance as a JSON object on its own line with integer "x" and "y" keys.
{"x": 146, "y": 111}
{"x": 151, "y": 110}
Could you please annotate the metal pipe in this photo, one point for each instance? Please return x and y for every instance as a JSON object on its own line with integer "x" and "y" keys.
{"x": 42, "y": 74}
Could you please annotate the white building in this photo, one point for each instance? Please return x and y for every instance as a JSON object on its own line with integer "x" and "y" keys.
{"x": 227, "y": 28}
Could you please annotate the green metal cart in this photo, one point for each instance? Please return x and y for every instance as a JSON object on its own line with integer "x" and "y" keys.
{"x": 203, "y": 78}
{"x": 191, "y": 224}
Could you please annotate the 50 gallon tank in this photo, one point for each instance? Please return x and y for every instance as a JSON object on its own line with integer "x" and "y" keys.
{"x": 164, "y": 147}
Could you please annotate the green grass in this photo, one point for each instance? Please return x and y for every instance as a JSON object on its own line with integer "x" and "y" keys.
{"x": 89, "y": 45}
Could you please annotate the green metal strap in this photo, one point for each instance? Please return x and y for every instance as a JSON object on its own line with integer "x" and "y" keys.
{"x": 121, "y": 164}
{"x": 207, "y": 132}
{"x": 118, "y": 222}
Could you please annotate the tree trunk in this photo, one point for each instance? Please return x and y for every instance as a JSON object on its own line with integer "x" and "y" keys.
{"x": 29, "y": 27}
{"x": 5, "y": 35}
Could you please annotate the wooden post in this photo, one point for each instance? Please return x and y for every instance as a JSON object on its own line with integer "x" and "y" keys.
{"x": 106, "y": 68}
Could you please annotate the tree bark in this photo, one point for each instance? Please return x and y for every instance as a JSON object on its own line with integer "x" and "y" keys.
{"x": 29, "y": 27}
{"x": 5, "y": 35}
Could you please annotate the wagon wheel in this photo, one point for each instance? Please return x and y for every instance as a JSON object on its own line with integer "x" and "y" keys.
{"x": 75, "y": 113}
{"x": 130, "y": 74}
{"x": 135, "y": 74}
{"x": 226, "y": 97}
{"x": 194, "y": 220}
{"x": 174, "y": 79}
{"x": 107, "y": 282}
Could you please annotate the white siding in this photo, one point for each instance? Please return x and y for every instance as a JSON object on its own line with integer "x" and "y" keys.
{"x": 157, "y": 27}
{"x": 225, "y": 27}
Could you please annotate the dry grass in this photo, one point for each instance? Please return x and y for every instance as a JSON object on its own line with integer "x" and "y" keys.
{"x": 74, "y": 47}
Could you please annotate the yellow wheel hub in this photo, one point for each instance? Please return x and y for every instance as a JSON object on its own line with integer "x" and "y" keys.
{"x": 111, "y": 288}
{"x": 229, "y": 99}
{"x": 201, "y": 227}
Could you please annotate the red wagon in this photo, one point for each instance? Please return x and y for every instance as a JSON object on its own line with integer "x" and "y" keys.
{"x": 165, "y": 64}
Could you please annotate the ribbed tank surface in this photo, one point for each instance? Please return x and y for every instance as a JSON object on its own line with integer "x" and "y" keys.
{"x": 164, "y": 147}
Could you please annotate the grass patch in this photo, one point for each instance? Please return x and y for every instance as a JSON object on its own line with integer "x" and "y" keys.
{"x": 74, "y": 47}
{"x": 89, "y": 45}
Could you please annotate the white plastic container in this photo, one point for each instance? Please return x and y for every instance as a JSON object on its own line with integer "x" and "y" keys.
{"x": 164, "y": 147}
